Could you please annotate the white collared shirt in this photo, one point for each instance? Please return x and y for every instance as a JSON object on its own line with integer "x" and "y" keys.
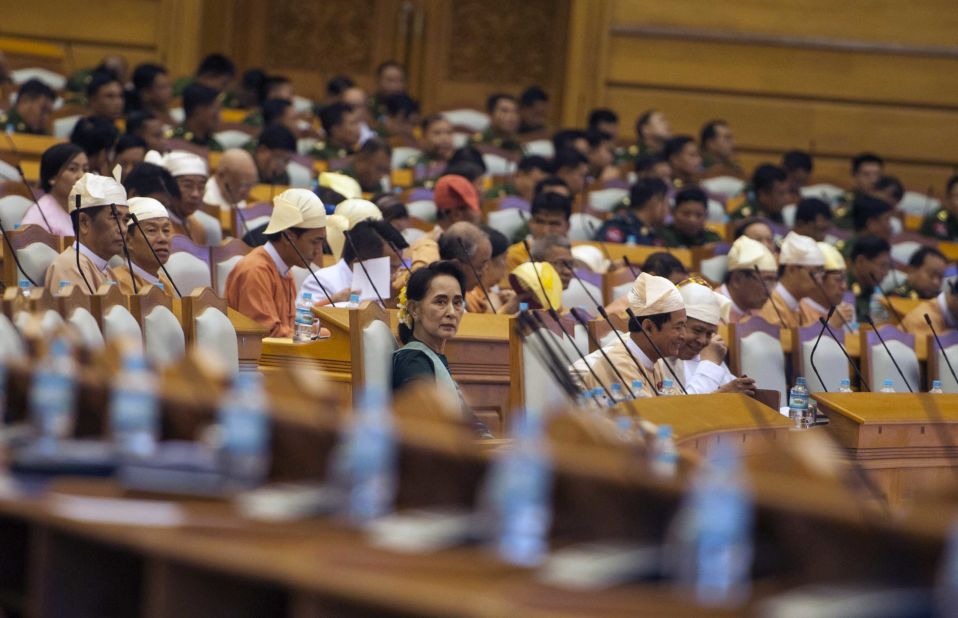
{"x": 100, "y": 264}
{"x": 943, "y": 305}
{"x": 790, "y": 301}
{"x": 702, "y": 377}
{"x": 335, "y": 278}
{"x": 814, "y": 305}
{"x": 213, "y": 195}
{"x": 638, "y": 353}
{"x": 273, "y": 253}
{"x": 144, "y": 275}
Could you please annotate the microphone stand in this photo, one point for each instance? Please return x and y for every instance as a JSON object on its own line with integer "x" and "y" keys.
{"x": 548, "y": 357}
{"x": 578, "y": 352}
{"x": 475, "y": 273}
{"x": 771, "y": 299}
{"x": 126, "y": 249}
{"x": 628, "y": 264}
{"x": 657, "y": 350}
{"x": 362, "y": 265}
{"x": 940, "y": 347}
{"x": 888, "y": 352}
{"x": 831, "y": 308}
{"x": 308, "y": 267}
{"x": 136, "y": 224}
{"x": 23, "y": 179}
{"x": 811, "y": 357}
{"x": 76, "y": 233}
{"x": 841, "y": 347}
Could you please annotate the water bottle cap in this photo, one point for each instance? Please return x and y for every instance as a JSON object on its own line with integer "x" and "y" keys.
{"x": 637, "y": 384}
{"x": 887, "y": 383}
{"x": 354, "y": 298}
{"x": 63, "y": 283}
{"x": 24, "y": 284}
{"x": 845, "y": 381}
{"x": 667, "y": 383}
{"x": 877, "y": 289}
{"x": 307, "y": 296}
{"x": 936, "y": 383}
{"x": 665, "y": 432}
{"x": 160, "y": 285}
{"x": 800, "y": 381}
{"x": 616, "y": 387}
{"x": 523, "y": 306}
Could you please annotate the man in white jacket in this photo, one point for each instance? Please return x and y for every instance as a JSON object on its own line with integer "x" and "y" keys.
{"x": 702, "y": 350}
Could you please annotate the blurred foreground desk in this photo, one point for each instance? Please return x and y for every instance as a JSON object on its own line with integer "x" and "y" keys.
{"x": 906, "y": 441}
{"x": 478, "y": 356}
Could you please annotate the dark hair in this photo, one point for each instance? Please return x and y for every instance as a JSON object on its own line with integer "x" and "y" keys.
{"x": 532, "y": 95}
{"x": 338, "y": 85}
{"x": 94, "y": 135}
{"x": 866, "y": 157}
{"x": 498, "y": 240}
{"x": 692, "y": 194}
{"x": 393, "y": 211}
{"x": 658, "y": 319}
{"x": 128, "y": 141}
{"x": 333, "y": 115}
{"x": 644, "y": 119}
{"x": 273, "y": 110}
{"x": 216, "y": 65}
{"x": 951, "y": 183}
{"x": 328, "y": 197}
{"x": 467, "y": 169}
{"x": 566, "y": 138}
{"x": 533, "y": 162}
{"x": 675, "y": 145}
{"x": 568, "y": 158}
{"x": 549, "y": 181}
{"x": 253, "y": 79}
{"x": 797, "y": 160}
{"x": 549, "y": 201}
{"x": 601, "y": 115}
{"x": 467, "y": 154}
{"x": 401, "y": 104}
{"x": 196, "y": 96}
{"x": 810, "y": 208}
{"x": 389, "y": 64}
{"x": 765, "y": 176}
{"x": 596, "y": 137}
{"x": 865, "y": 208}
{"x": 886, "y": 182}
{"x": 645, "y": 162}
{"x": 918, "y": 258}
{"x": 419, "y": 283}
{"x": 373, "y": 146}
{"x": 146, "y": 179}
{"x": 494, "y": 99}
{"x": 145, "y": 74}
{"x": 276, "y": 236}
{"x": 277, "y": 137}
{"x": 363, "y": 243}
{"x": 99, "y": 79}
{"x": 429, "y": 120}
{"x": 54, "y": 159}
{"x": 33, "y": 88}
{"x": 646, "y": 189}
{"x": 869, "y": 247}
{"x": 268, "y": 84}
{"x": 136, "y": 120}
{"x": 710, "y": 130}
{"x": 663, "y": 264}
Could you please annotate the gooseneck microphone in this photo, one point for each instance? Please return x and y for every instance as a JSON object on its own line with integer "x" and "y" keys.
{"x": 475, "y": 273}
{"x": 888, "y": 352}
{"x": 831, "y": 306}
{"x": 362, "y": 265}
{"x": 126, "y": 249}
{"x": 657, "y": 350}
{"x": 16, "y": 259}
{"x": 76, "y": 233}
{"x": 841, "y": 347}
{"x": 811, "y": 357}
{"x": 136, "y": 224}
{"x": 940, "y": 347}
{"x": 236, "y": 209}
{"x": 548, "y": 357}
{"x": 23, "y": 179}
{"x": 771, "y": 299}
{"x": 305, "y": 262}
{"x": 628, "y": 264}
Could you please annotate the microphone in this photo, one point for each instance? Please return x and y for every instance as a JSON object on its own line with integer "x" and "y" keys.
{"x": 76, "y": 233}
{"x": 23, "y": 179}
{"x": 602, "y": 245}
{"x": 126, "y": 249}
{"x": 657, "y": 350}
{"x": 628, "y": 264}
{"x": 811, "y": 357}
{"x": 771, "y": 299}
{"x": 475, "y": 273}
{"x": 891, "y": 307}
{"x": 236, "y": 209}
{"x": 16, "y": 259}
{"x": 831, "y": 307}
{"x": 548, "y": 357}
{"x": 136, "y": 224}
{"x": 940, "y": 347}
{"x": 888, "y": 352}
{"x": 841, "y": 346}
{"x": 396, "y": 249}
{"x": 308, "y": 267}
{"x": 362, "y": 265}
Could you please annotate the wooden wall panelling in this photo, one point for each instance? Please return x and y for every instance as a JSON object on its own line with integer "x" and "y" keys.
{"x": 587, "y": 48}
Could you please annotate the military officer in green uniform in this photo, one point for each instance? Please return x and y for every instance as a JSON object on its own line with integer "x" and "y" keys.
{"x": 201, "y": 105}
{"x": 503, "y": 127}
{"x": 765, "y": 196}
{"x": 529, "y": 172}
{"x": 926, "y": 272}
{"x": 866, "y": 171}
{"x": 341, "y": 125}
{"x": 869, "y": 264}
{"x": 652, "y": 130}
{"x": 943, "y": 223}
{"x": 688, "y": 221}
{"x": 641, "y": 222}
{"x": 31, "y": 112}
{"x": 437, "y": 149}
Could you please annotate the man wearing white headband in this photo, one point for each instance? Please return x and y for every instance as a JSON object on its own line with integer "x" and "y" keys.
{"x": 99, "y": 236}
{"x": 261, "y": 285}
{"x": 750, "y": 264}
{"x": 703, "y": 351}
{"x": 800, "y": 261}
{"x": 155, "y": 224}
{"x": 190, "y": 173}
{"x": 834, "y": 284}
{"x": 660, "y": 313}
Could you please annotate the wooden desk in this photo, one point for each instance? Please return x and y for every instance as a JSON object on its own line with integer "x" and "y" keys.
{"x": 249, "y": 339}
{"x": 896, "y": 438}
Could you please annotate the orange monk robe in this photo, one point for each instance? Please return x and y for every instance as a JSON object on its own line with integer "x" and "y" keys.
{"x": 258, "y": 290}
{"x": 64, "y": 268}
{"x": 125, "y": 281}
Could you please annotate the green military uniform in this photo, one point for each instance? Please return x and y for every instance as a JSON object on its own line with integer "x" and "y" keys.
{"x": 906, "y": 291}
{"x": 426, "y": 169}
{"x": 672, "y": 237}
{"x": 746, "y": 204}
{"x": 863, "y": 296}
{"x": 842, "y": 211}
{"x": 500, "y": 191}
{"x": 254, "y": 119}
{"x": 328, "y": 152}
{"x": 710, "y": 160}
{"x": 185, "y": 134}
{"x": 12, "y": 121}
{"x": 631, "y": 153}
{"x": 489, "y": 138}
{"x": 941, "y": 225}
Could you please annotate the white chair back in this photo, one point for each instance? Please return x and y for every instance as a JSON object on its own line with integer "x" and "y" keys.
{"x": 583, "y": 226}
{"x": 216, "y": 334}
{"x": 189, "y": 271}
{"x": 35, "y": 259}
{"x": 539, "y": 388}
{"x": 63, "y": 127}
{"x": 882, "y": 368}
{"x": 55, "y": 80}
{"x": 8, "y": 172}
{"x": 299, "y": 175}
{"x": 178, "y": 115}
{"x": 825, "y": 191}
{"x": 85, "y": 326}
{"x": 948, "y": 383}
{"x": 214, "y": 231}
{"x": 378, "y": 348}
{"x": 507, "y": 221}
{"x": 915, "y": 203}
{"x": 497, "y": 165}
{"x": 470, "y": 119}
{"x": 223, "y": 270}
{"x": 11, "y": 344}
{"x": 714, "y": 268}
{"x": 762, "y": 358}
{"x": 716, "y": 212}
{"x": 542, "y": 147}
{"x": 788, "y": 215}
{"x": 604, "y": 200}
{"x": 12, "y": 209}
{"x": 412, "y": 234}
{"x": 422, "y": 209}
{"x": 232, "y": 138}
{"x": 165, "y": 343}
{"x": 831, "y": 364}
{"x": 302, "y": 105}
{"x": 901, "y": 252}
{"x": 402, "y": 154}
{"x": 459, "y": 140}
{"x": 120, "y": 325}
{"x": 577, "y": 295}
{"x": 51, "y": 322}
{"x": 723, "y": 185}
{"x": 299, "y": 276}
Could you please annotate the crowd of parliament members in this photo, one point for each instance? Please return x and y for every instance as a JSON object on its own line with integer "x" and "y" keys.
{"x": 785, "y": 276}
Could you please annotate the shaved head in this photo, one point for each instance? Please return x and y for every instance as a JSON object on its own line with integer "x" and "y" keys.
{"x": 236, "y": 174}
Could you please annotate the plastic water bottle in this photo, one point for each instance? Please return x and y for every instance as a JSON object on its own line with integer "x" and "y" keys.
{"x": 665, "y": 463}
{"x": 370, "y": 458}
{"x": 617, "y": 394}
{"x": 24, "y": 286}
{"x": 245, "y": 431}
{"x": 523, "y": 307}
{"x": 304, "y": 326}
{"x": 876, "y": 309}
{"x": 519, "y": 494}
{"x": 354, "y": 301}
{"x": 134, "y": 408}
{"x": 798, "y": 402}
{"x": 638, "y": 389}
{"x": 845, "y": 386}
{"x": 52, "y": 393}
{"x": 668, "y": 387}
{"x": 630, "y": 240}
{"x": 936, "y": 388}
{"x": 887, "y": 387}
{"x": 63, "y": 283}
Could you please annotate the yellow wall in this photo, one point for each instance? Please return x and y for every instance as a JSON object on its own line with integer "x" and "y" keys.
{"x": 833, "y": 77}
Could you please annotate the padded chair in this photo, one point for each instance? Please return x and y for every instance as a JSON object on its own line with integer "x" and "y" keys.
{"x": 714, "y": 268}
{"x": 877, "y": 365}
{"x": 51, "y": 322}
{"x": 542, "y": 147}
{"x": 299, "y": 276}
{"x": 189, "y": 271}
{"x": 85, "y": 326}
{"x": 497, "y": 165}
{"x": 507, "y": 221}
{"x": 937, "y": 367}
{"x": 583, "y": 226}
{"x": 378, "y": 347}
{"x": 299, "y": 175}
{"x": 178, "y": 115}
{"x": 460, "y": 139}
{"x": 539, "y": 389}
{"x": 829, "y": 360}
{"x": 469, "y": 119}
{"x": 756, "y": 351}
{"x": 254, "y": 215}
{"x": 901, "y": 252}
{"x": 232, "y": 138}
{"x": 824, "y": 191}
{"x": 788, "y": 214}
{"x": 12, "y": 209}
{"x": 422, "y": 209}
{"x": 411, "y": 234}
{"x": 120, "y": 325}
{"x": 919, "y": 204}
{"x": 723, "y": 185}
{"x": 214, "y": 231}
{"x": 223, "y": 259}
{"x": 604, "y": 200}
{"x": 577, "y": 295}
{"x": 63, "y": 127}
{"x": 11, "y": 344}
{"x": 302, "y": 105}
{"x": 55, "y": 80}
{"x": 8, "y": 172}
{"x": 716, "y": 212}
{"x": 401, "y": 154}
{"x": 214, "y": 333}
{"x": 163, "y": 336}
{"x": 36, "y": 249}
